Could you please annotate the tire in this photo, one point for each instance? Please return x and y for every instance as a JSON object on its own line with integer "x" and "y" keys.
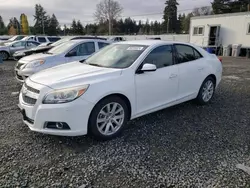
{"x": 206, "y": 91}
{"x": 5, "y": 56}
{"x": 102, "y": 125}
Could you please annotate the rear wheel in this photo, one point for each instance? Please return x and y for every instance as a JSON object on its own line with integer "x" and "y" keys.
{"x": 206, "y": 92}
{"x": 4, "y": 55}
{"x": 108, "y": 118}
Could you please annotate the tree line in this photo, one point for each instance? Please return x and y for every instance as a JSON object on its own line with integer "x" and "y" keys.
{"x": 107, "y": 20}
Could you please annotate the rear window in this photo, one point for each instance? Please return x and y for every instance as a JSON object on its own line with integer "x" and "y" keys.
{"x": 102, "y": 44}
{"x": 41, "y": 39}
{"x": 53, "y": 39}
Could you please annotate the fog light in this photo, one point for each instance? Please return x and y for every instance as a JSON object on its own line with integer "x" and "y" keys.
{"x": 57, "y": 125}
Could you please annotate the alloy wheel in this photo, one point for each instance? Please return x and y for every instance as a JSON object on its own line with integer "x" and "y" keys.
{"x": 110, "y": 119}
{"x": 207, "y": 91}
{"x": 4, "y": 55}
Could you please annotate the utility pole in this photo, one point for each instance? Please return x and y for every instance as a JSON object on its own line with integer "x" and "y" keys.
{"x": 109, "y": 13}
{"x": 43, "y": 25}
{"x": 168, "y": 25}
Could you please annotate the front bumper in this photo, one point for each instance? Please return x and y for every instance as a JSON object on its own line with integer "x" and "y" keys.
{"x": 22, "y": 75}
{"x": 75, "y": 114}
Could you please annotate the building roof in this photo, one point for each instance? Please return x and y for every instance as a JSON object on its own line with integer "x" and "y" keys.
{"x": 222, "y": 15}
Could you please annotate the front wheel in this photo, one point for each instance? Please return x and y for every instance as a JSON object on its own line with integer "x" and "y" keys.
{"x": 4, "y": 55}
{"x": 206, "y": 92}
{"x": 108, "y": 118}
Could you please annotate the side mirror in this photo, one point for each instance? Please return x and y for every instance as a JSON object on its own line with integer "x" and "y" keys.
{"x": 82, "y": 60}
{"x": 148, "y": 67}
{"x": 71, "y": 54}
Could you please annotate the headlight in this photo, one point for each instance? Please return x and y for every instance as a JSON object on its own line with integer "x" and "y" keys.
{"x": 35, "y": 63}
{"x": 64, "y": 95}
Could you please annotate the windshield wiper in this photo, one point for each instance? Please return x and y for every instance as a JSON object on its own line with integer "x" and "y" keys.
{"x": 48, "y": 53}
{"x": 93, "y": 64}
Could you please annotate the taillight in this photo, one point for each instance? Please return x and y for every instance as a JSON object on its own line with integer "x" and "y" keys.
{"x": 220, "y": 59}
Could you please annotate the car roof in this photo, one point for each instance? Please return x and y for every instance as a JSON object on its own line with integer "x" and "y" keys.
{"x": 151, "y": 42}
{"x": 88, "y": 40}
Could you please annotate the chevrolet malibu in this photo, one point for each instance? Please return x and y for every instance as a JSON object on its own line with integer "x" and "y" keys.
{"x": 121, "y": 82}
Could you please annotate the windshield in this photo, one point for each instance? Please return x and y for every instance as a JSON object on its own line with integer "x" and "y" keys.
{"x": 61, "y": 48}
{"x": 60, "y": 41}
{"x": 25, "y": 38}
{"x": 116, "y": 56}
{"x": 13, "y": 38}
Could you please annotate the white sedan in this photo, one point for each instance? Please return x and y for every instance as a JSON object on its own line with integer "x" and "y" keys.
{"x": 121, "y": 82}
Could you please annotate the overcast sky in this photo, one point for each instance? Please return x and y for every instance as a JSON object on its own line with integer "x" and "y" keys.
{"x": 66, "y": 10}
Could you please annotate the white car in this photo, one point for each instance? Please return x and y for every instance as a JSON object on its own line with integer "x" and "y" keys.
{"x": 73, "y": 50}
{"x": 121, "y": 82}
{"x": 41, "y": 39}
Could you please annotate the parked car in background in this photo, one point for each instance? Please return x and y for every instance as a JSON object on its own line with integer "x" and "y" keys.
{"x": 8, "y": 49}
{"x": 42, "y": 39}
{"x": 116, "y": 39}
{"x": 155, "y": 38}
{"x": 74, "y": 50}
{"x": 121, "y": 82}
{"x": 38, "y": 49}
{"x": 44, "y": 48}
{"x": 12, "y": 39}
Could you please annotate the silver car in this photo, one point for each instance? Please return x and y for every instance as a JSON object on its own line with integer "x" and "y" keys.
{"x": 8, "y": 49}
{"x": 74, "y": 50}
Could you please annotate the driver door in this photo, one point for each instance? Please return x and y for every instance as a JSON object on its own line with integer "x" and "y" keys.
{"x": 81, "y": 52}
{"x": 156, "y": 89}
{"x": 17, "y": 46}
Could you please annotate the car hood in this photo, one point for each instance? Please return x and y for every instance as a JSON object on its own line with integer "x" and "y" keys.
{"x": 73, "y": 74}
{"x": 33, "y": 57}
{"x": 43, "y": 47}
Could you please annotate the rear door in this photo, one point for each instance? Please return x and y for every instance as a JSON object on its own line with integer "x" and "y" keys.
{"x": 31, "y": 44}
{"x": 192, "y": 73}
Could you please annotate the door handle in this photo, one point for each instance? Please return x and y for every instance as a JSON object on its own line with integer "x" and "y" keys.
{"x": 173, "y": 76}
{"x": 200, "y": 69}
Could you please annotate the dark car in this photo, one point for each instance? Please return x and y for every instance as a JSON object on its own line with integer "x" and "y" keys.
{"x": 44, "y": 48}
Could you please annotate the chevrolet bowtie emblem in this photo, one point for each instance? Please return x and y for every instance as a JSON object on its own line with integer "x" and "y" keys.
{"x": 25, "y": 90}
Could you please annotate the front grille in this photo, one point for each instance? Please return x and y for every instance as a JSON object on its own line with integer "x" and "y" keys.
{"x": 18, "y": 66}
{"x": 18, "y": 76}
{"x": 29, "y": 100}
{"x": 31, "y": 89}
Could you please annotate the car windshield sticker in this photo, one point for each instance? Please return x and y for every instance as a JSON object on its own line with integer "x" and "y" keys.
{"x": 135, "y": 48}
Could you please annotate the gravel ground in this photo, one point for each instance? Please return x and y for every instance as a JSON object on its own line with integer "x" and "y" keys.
{"x": 183, "y": 146}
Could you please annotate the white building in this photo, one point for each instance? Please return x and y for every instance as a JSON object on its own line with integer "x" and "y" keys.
{"x": 221, "y": 29}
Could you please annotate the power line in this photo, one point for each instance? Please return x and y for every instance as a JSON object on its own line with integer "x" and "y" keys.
{"x": 148, "y": 14}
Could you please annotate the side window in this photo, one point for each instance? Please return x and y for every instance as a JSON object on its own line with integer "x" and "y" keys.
{"x": 19, "y": 44}
{"x": 102, "y": 44}
{"x": 41, "y": 39}
{"x": 32, "y": 44}
{"x": 186, "y": 53}
{"x": 86, "y": 48}
{"x": 161, "y": 56}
